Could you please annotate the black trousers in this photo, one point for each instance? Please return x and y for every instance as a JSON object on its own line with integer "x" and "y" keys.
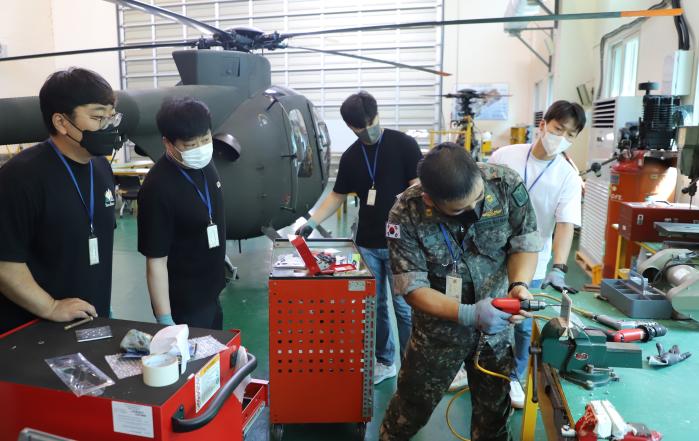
{"x": 208, "y": 316}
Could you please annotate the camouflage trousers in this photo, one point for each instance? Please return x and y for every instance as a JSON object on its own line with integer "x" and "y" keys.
{"x": 428, "y": 368}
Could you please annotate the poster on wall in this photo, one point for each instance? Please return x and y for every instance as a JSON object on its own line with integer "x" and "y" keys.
{"x": 493, "y": 104}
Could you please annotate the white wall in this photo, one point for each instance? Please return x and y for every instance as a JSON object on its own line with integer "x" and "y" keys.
{"x": 36, "y": 26}
{"x": 484, "y": 53}
{"x": 25, "y": 28}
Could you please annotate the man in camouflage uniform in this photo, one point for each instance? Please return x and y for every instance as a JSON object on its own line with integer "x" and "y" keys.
{"x": 455, "y": 240}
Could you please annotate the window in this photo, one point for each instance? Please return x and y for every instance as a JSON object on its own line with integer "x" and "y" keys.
{"x": 549, "y": 92}
{"x": 301, "y": 144}
{"x": 622, "y": 67}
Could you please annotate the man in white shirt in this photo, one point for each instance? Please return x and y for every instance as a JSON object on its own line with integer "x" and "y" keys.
{"x": 555, "y": 189}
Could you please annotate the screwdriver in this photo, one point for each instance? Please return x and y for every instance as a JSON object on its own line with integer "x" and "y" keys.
{"x": 513, "y": 306}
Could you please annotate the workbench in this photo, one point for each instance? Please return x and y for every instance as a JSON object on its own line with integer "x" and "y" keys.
{"x": 665, "y": 399}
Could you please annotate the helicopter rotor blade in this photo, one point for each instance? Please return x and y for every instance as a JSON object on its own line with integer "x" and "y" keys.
{"x": 375, "y": 60}
{"x": 155, "y": 10}
{"x": 102, "y": 49}
{"x": 514, "y": 19}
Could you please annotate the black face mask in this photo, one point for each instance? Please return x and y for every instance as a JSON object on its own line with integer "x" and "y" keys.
{"x": 100, "y": 142}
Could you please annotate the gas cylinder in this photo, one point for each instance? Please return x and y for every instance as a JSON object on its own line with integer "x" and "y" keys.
{"x": 634, "y": 180}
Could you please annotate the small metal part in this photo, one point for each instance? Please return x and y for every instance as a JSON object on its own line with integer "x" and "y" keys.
{"x": 78, "y": 323}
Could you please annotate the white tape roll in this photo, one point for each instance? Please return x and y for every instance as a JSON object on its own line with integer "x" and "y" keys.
{"x": 160, "y": 370}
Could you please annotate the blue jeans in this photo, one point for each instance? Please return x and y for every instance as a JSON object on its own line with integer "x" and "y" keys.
{"x": 378, "y": 262}
{"x": 523, "y": 336}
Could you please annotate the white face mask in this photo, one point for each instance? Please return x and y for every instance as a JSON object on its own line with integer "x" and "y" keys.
{"x": 554, "y": 144}
{"x": 198, "y": 157}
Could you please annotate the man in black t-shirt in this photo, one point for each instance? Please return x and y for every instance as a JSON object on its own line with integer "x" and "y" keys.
{"x": 57, "y": 216}
{"x": 381, "y": 164}
{"x": 181, "y": 220}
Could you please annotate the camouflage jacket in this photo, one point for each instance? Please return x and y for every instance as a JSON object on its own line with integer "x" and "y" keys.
{"x": 419, "y": 255}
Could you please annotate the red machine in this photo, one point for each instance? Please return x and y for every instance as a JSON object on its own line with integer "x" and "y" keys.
{"x": 321, "y": 343}
{"x": 35, "y": 398}
{"x": 636, "y": 219}
{"x": 634, "y": 180}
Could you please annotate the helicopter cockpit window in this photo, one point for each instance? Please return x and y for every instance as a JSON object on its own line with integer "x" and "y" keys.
{"x": 226, "y": 147}
{"x": 322, "y": 130}
{"x": 302, "y": 146}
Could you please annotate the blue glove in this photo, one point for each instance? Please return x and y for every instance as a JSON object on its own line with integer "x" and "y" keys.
{"x": 165, "y": 319}
{"x": 306, "y": 229}
{"x": 484, "y": 316}
{"x": 668, "y": 358}
{"x": 556, "y": 279}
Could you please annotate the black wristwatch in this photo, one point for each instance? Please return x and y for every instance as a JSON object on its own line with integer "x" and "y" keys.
{"x": 561, "y": 266}
{"x": 513, "y": 284}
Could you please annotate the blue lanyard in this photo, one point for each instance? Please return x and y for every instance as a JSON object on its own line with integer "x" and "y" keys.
{"x": 206, "y": 200}
{"x": 540, "y": 174}
{"x": 372, "y": 173}
{"x": 91, "y": 209}
{"x": 455, "y": 258}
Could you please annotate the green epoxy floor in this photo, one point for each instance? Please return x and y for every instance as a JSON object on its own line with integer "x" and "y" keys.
{"x": 245, "y": 307}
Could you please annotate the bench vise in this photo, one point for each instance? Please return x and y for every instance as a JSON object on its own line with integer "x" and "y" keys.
{"x": 584, "y": 356}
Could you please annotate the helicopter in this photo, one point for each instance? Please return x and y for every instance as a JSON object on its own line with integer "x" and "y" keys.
{"x": 271, "y": 148}
{"x": 470, "y": 104}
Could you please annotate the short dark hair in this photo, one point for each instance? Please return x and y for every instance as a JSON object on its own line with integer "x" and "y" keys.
{"x": 183, "y": 118}
{"x": 564, "y": 111}
{"x": 359, "y": 109}
{"x": 67, "y": 89}
{"x": 447, "y": 172}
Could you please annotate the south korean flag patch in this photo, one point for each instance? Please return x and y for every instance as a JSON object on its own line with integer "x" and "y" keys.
{"x": 392, "y": 231}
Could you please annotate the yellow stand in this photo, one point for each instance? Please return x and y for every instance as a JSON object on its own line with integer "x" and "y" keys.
{"x": 531, "y": 409}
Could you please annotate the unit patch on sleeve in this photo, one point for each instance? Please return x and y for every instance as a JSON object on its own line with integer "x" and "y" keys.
{"x": 520, "y": 195}
{"x": 392, "y": 231}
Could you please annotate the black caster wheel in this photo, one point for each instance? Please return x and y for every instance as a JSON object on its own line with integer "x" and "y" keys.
{"x": 359, "y": 431}
{"x": 276, "y": 431}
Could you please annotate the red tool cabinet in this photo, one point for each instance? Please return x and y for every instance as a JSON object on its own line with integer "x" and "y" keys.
{"x": 34, "y": 397}
{"x": 636, "y": 219}
{"x": 321, "y": 342}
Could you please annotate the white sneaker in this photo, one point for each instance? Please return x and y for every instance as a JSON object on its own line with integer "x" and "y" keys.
{"x": 460, "y": 381}
{"x": 516, "y": 394}
{"x": 383, "y": 372}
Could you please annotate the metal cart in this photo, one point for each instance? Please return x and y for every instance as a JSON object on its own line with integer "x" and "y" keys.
{"x": 36, "y": 399}
{"x": 321, "y": 342}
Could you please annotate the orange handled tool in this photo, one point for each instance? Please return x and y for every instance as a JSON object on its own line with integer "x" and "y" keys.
{"x": 513, "y": 306}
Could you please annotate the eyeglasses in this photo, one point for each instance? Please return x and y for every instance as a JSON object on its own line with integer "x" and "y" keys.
{"x": 111, "y": 120}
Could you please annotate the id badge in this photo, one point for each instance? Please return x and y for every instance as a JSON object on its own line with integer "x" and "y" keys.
{"x": 93, "y": 250}
{"x": 454, "y": 287}
{"x": 371, "y": 197}
{"x": 212, "y": 235}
